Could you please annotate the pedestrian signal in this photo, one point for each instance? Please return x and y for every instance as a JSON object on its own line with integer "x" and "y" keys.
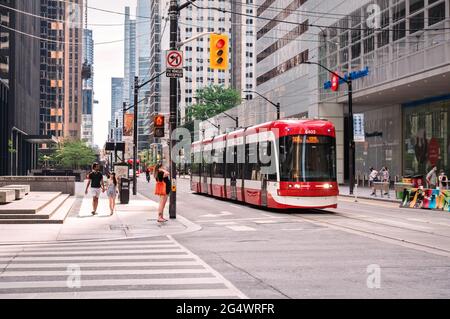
{"x": 219, "y": 46}
{"x": 158, "y": 126}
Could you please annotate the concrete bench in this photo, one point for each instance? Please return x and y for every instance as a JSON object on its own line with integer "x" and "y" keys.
{"x": 7, "y": 196}
{"x": 26, "y": 188}
{"x": 383, "y": 187}
{"x": 19, "y": 191}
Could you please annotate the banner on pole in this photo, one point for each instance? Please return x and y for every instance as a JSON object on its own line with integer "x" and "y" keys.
{"x": 129, "y": 124}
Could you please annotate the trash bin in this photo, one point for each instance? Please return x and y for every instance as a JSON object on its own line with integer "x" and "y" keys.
{"x": 417, "y": 181}
{"x": 124, "y": 191}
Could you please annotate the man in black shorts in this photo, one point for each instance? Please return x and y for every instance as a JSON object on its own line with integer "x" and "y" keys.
{"x": 97, "y": 185}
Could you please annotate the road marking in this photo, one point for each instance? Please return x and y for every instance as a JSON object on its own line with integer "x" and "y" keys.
{"x": 225, "y": 223}
{"x": 236, "y": 219}
{"x": 241, "y": 228}
{"x": 266, "y": 221}
{"x": 131, "y": 294}
{"x": 117, "y": 269}
{"x": 221, "y": 214}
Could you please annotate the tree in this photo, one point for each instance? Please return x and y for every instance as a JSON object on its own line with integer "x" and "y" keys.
{"x": 74, "y": 154}
{"x": 213, "y": 100}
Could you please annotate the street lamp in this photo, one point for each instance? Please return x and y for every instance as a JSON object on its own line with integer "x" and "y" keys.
{"x": 277, "y": 105}
{"x": 351, "y": 149}
{"x": 235, "y": 119}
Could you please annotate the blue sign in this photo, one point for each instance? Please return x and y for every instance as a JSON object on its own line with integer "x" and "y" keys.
{"x": 354, "y": 75}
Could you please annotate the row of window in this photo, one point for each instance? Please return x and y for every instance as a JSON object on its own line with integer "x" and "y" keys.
{"x": 230, "y": 164}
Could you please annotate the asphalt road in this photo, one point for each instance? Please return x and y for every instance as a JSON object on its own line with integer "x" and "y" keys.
{"x": 360, "y": 250}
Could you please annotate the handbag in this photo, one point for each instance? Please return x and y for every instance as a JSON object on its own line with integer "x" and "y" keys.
{"x": 160, "y": 188}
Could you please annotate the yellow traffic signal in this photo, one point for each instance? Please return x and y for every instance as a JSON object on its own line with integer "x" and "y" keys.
{"x": 219, "y": 46}
{"x": 158, "y": 126}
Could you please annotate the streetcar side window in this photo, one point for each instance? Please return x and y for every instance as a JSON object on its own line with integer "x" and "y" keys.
{"x": 252, "y": 167}
{"x": 231, "y": 162}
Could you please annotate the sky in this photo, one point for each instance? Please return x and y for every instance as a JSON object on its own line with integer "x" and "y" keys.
{"x": 108, "y": 59}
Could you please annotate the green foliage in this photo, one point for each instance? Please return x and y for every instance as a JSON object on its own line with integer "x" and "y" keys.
{"x": 74, "y": 154}
{"x": 11, "y": 148}
{"x": 213, "y": 100}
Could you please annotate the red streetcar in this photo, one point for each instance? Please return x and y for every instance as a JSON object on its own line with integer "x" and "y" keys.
{"x": 282, "y": 164}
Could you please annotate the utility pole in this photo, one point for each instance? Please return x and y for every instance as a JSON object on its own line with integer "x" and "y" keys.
{"x": 174, "y": 10}
{"x": 135, "y": 133}
{"x": 173, "y": 15}
{"x": 351, "y": 146}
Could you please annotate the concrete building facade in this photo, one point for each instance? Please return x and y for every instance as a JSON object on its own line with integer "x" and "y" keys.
{"x": 398, "y": 51}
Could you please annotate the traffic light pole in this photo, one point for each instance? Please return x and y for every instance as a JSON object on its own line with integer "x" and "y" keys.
{"x": 135, "y": 133}
{"x": 174, "y": 10}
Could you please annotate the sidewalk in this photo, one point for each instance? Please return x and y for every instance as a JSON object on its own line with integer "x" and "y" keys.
{"x": 365, "y": 193}
{"x": 138, "y": 219}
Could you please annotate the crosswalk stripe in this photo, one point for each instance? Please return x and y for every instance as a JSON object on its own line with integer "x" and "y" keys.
{"x": 95, "y": 253}
{"x": 90, "y": 243}
{"x": 130, "y": 294}
{"x": 68, "y": 258}
{"x": 87, "y": 249}
{"x": 118, "y": 282}
{"x": 104, "y": 272}
{"x": 102, "y": 264}
{"x": 120, "y": 269}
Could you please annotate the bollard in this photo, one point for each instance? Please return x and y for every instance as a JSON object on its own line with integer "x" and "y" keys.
{"x": 355, "y": 192}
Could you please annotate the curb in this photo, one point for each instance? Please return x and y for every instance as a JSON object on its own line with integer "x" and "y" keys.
{"x": 190, "y": 228}
{"x": 395, "y": 201}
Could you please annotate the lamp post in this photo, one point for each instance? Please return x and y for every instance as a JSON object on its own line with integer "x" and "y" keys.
{"x": 235, "y": 119}
{"x": 351, "y": 147}
{"x": 277, "y": 105}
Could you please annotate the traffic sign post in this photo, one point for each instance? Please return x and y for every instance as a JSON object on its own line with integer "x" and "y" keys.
{"x": 174, "y": 64}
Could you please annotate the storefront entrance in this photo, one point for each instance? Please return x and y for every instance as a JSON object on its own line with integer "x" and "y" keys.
{"x": 426, "y": 135}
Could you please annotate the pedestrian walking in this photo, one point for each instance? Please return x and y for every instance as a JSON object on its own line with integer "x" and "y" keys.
{"x": 373, "y": 177}
{"x": 443, "y": 180}
{"x": 432, "y": 179}
{"x": 162, "y": 189}
{"x": 385, "y": 177}
{"x": 147, "y": 174}
{"x": 112, "y": 192}
{"x": 95, "y": 181}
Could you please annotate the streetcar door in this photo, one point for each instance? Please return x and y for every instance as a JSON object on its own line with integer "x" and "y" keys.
{"x": 264, "y": 190}
{"x": 233, "y": 184}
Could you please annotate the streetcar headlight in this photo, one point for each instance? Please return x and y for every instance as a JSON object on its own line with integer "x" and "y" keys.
{"x": 297, "y": 186}
{"x": 327, "y": 186}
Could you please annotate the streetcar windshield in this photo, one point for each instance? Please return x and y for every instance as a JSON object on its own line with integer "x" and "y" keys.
{"x": 306, "y": 158}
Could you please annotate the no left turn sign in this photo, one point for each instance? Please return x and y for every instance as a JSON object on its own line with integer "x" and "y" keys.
{"x": 174, "y": 59}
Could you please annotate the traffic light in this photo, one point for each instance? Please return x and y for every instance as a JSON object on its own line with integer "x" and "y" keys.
{"x": 158, "y": 126}
{"x": 219, "y": 46}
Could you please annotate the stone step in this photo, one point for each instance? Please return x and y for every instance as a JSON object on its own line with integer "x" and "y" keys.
{"x": 31, "y": 204}
{"x": 45, "y": 213}
{"x": 57, "y": 216}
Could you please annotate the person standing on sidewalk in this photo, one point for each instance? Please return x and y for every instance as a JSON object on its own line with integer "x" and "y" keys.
{"x": 112, "y": 192}
{"x": 373, "y": 177}
{"x": 443, "y": 180}
{"x": 385, "y": 178}
{"x": 162, "y": 189}
{"x": 95, "y": 181}
{"x": 432, "y": 178}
